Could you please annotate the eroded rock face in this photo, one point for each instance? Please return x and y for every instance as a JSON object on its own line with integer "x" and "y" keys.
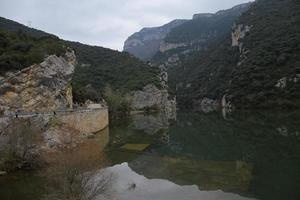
{"x": 169, "y": 46}
{"x": 149, "y": 97}
{"x": 152, "y": 98}
{"x": 238, "y": 34}
{"x": 41, "y": 87}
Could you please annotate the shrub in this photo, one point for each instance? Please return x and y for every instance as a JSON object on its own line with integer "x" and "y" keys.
{"x": 20, "y": 151}
{"x": 118, "y": 104}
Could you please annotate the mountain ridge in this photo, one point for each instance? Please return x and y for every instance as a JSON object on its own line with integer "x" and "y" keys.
{"x": 145, "y": 43}
{"x": 152, "y": 48}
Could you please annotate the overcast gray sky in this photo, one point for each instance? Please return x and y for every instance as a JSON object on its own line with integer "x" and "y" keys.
{"x": 104, "y": 22}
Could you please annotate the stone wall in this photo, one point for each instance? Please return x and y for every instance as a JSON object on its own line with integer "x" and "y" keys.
{"x": 87, "y": 121}
{"x": 52, "y": 132}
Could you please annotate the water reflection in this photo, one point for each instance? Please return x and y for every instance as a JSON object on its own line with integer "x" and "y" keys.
{"x": 206, "y": 174}
{"x": 51, "y": 181}
{"x": 254, "y": 154}
{"x": 128, "y": 185}
{"x": 151, "y": 124}
{"x": 213, "y": 155}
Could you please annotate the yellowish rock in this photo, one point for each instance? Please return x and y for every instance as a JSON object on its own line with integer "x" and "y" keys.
{"x": 135, "y": 147}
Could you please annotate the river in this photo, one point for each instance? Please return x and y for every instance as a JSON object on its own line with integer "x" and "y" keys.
{"x": 198, "y": 155}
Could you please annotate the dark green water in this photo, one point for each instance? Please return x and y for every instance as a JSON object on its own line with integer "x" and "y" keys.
{"x": 253, "y": 154}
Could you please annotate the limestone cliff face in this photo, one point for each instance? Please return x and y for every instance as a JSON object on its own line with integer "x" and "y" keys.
{"x": 40, "y": 87}
{"x": 169, "y": 46}
{"x": 146, "y": 43}
{"x": 238, "y": 34}
{"x": 153, "y": 98}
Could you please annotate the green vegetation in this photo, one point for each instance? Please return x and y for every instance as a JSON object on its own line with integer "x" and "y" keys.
{"x": 271, "y": 52}
{"x": 73, "y": 183}
{"x": 21, "y": 46}
{"x": 201, "y": 35}
{"x": 99, "y": 67}
{"x": 118, "y": 103}
{"x": 20, "y": 150}
{"x": 18, "y": 50}
{"x": 197, "y": 29}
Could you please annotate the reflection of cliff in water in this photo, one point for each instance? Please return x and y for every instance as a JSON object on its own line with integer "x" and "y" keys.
{"x": 206, "y": 174}
{"x": 150, "y": 124}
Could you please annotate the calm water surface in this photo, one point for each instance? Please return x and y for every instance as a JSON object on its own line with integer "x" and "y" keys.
{"x": 242, "y": 155}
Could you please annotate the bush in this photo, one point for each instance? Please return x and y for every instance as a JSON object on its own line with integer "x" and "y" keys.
{"x": 20, "y": 151}
{"x": 18, "y": 50}
{"x": 118, "y": 104}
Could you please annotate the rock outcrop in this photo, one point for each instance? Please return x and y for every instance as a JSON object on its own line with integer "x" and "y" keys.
{"x": 152, "y": 98}
{"x": 169, "y": 46}
{"x": 238, "y": 34}
{"x": 146, "y": 43}
{"x": 40, "y": 87}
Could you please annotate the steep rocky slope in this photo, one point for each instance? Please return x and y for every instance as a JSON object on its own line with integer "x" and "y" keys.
{"x": 146, "y": 43}
{"x": 180, "y": 37}
{"x": 257, "y": 65}
{"x": 198, "y": 34}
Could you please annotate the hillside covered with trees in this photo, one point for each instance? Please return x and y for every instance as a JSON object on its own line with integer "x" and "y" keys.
{"x": 98, "y": 67}
{"x": 262, "y": 72}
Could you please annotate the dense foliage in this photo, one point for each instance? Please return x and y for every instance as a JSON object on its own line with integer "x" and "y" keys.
{"x": 13, "y": 26}
{"x": 99, "y": 67}
{"x": 18, "y": 50}
{"x": 271, "y": 53}
{"x": 199, "y": 35}
{"x": 196, "y": 29}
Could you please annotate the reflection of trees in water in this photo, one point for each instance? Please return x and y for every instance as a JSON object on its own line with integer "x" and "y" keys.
{"x": 245, "y": 136}
{"x": 73, "y": 183}
{"x": 18, "y": 146}
{"x": 207, "y": 174}
{"x": 268, "y": 140}
{"x": 243, "y": 152}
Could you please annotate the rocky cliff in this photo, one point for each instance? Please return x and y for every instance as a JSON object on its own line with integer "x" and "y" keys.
{"x": 40, "y": 87}
{"x": 146, "y": 43}
{"x": 152, "y": 98}
{"x": 182, "y": 41}
{"x": 198, "y": 34}
{"x": 184, "y": 36}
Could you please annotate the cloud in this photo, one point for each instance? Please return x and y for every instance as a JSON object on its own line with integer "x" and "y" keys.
{"x": 101, "y": 22}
